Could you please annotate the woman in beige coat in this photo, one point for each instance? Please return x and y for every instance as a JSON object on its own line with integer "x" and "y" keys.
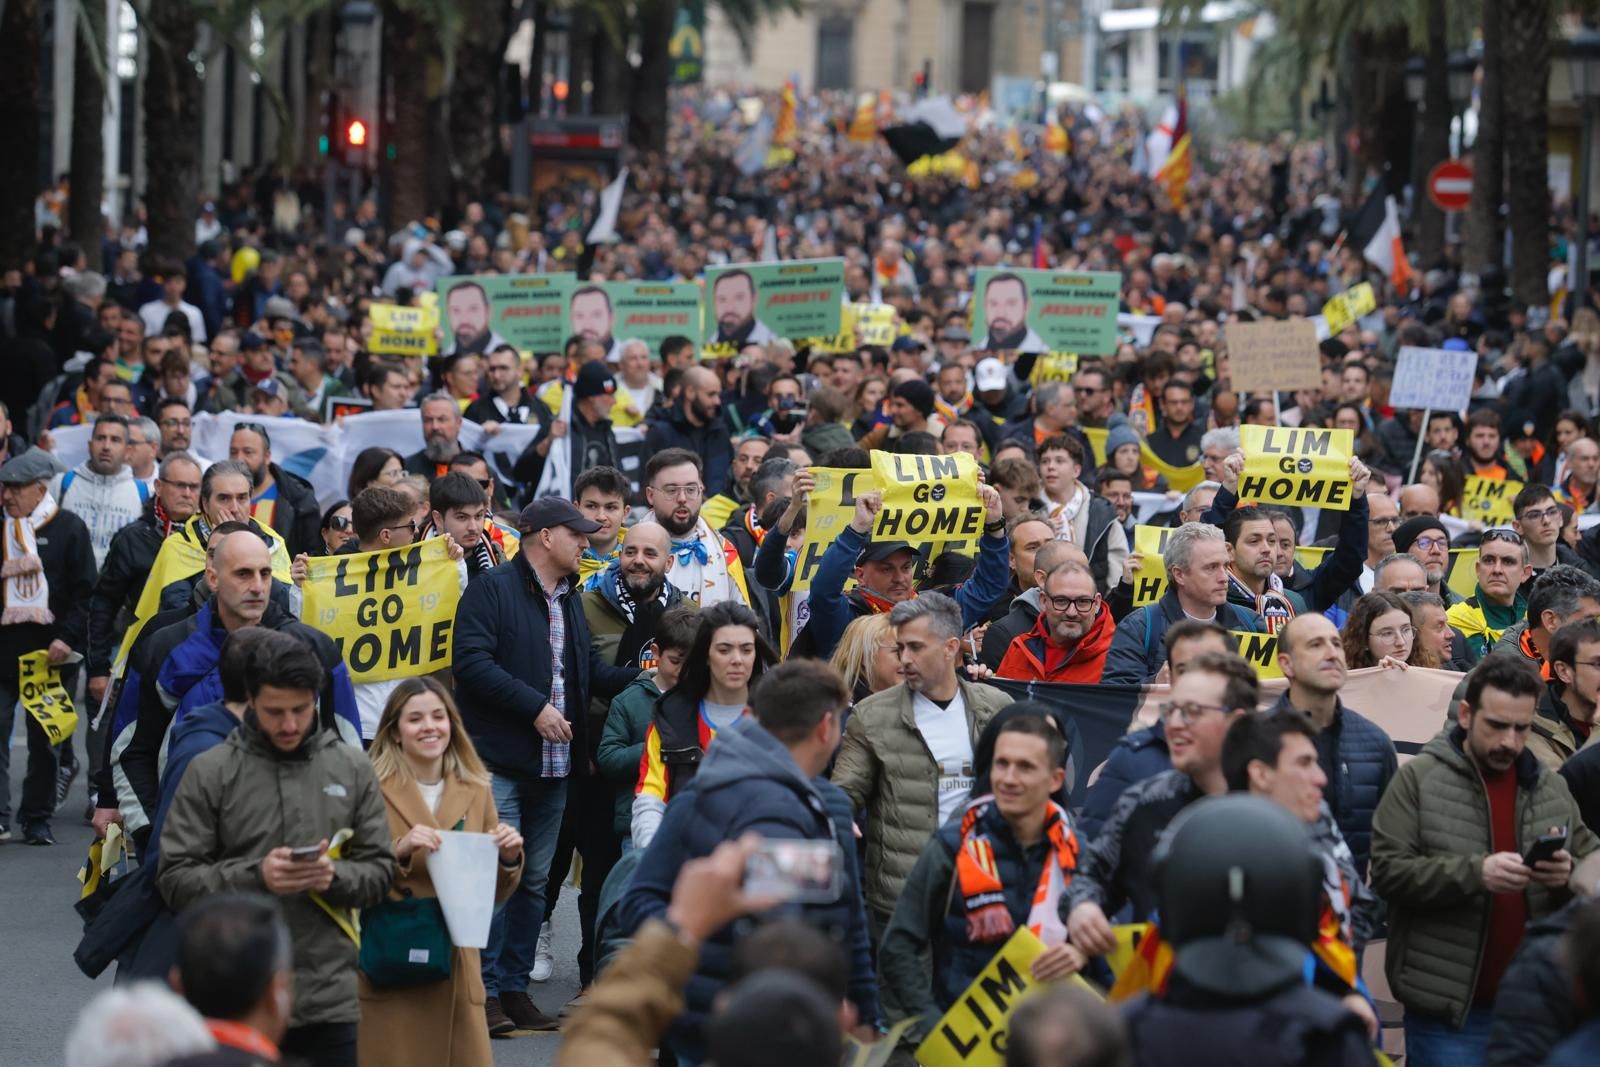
{"x": 432, "y": 780}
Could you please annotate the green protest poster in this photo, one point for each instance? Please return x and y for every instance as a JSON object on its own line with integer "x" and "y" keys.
{"x": 1046, "y": 311}
{"x": 479, "y": 312}
{"x": 755, "y": 302}
{"x": 644, "y": 311}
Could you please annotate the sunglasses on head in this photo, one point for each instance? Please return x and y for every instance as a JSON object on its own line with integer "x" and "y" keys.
{"x": 1502, "y": 533}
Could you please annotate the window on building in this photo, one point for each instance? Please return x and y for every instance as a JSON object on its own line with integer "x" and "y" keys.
{"x": 835, "y": 52}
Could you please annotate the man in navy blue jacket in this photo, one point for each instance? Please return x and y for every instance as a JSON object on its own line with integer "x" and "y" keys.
{"x": 763, "y": 776}
{"x": 525, "y": 669}
{"x": 883, "y": 571}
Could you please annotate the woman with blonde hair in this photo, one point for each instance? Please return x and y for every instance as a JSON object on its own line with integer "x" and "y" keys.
{"x": 866, "y": 658}
{"x": 426, "y": 1011}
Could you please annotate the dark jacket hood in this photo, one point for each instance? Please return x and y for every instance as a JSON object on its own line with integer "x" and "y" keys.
{"x": 208, "y": 720}
{"x": 745, "y": 750}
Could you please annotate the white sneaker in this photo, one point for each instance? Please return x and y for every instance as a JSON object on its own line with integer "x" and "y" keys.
{"x": 543, "y": 962}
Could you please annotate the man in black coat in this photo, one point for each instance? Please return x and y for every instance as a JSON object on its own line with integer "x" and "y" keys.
{"x": 286, "y": 502}
{"x": 51, "y": 563}
{"x": 695, "y": 423}
{"x": 526, "y": 712}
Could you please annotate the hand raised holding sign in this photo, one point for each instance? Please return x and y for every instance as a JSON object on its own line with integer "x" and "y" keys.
{"x": 990, "y": 496}
{"x": 867, "y": 507}
{"x": 1232, "y": 467}
{"x": 1360, "y": 477}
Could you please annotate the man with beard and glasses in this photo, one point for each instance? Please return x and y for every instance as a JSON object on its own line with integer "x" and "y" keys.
{"x": 102, "y": 490}
{"x": 733, "y": 301}
{"x": 708, "y": 569}
{"x": 1005, "y": 313}
{"x": 280, "y": 500}
{"x": 695, "y": 423}
{"x": 1458, "y": 910}
{"x": 466, "y": 311}
{"x": 593, "y": 319}
{"x": 441, "y": 428}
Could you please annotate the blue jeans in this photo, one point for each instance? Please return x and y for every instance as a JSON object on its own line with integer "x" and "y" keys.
{"x": 534, "y": 806}
{"x": 1434, "y": 1043}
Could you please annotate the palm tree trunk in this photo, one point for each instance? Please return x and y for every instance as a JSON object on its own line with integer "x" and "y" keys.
{"x": 652, "y": 79}
{"x": 1527, "y": 140}
{"x": 172, "y": 105}
{"x": 1433, "y": 143}
{"x": 473, "y": 125}
{"x": 19, "y": 128}
{"x": 1483, "y": 248}
{"x": 405, "y": 61}
{"x": 87, "y": 159}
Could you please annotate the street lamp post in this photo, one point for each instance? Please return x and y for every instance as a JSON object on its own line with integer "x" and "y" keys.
{"x": 1583, "y": 70}
{"x": 1463, "y": 65}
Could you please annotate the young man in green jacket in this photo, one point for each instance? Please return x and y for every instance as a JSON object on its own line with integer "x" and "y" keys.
{"x": 1448, "y": 844}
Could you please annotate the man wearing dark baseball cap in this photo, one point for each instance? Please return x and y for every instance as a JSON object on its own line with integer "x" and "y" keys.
{"x": 577, "y": 438}
{"x": 525, "y": 670}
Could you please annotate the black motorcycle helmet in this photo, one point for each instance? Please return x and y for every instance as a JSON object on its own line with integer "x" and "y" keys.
{"x": 1240, "y": 891}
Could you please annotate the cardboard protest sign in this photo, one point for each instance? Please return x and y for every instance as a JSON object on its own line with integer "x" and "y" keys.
{"x": 1274, "y": 355}
{"x": 1342, "y": 309}
{"x": 1297, "y": 466}
{"x": 1434, "y": 378}
{"x": 1489, "y": 500}
{"x": 483, "y": 311}
{"x": 829, "y": 508}
{"x": 754, "y": 303}
{"x": 650, "y": 311}
{"x": 1151, "y": 583}
{"x": 390, "y": 612}
{"x": 1260, "y": 650}
{"x": 927, "y": 500}
{"x": 973, "y": 1032}
{"x": 1046, "y": 311}
{"x": 403, "y": 331}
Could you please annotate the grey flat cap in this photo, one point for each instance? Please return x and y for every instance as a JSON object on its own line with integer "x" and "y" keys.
{"x": 34, "y": 465}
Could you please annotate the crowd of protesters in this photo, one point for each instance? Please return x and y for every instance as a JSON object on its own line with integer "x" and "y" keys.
{"x": 637, "y": 681}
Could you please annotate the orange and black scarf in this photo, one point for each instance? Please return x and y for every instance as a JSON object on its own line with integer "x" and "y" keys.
{"x": 982, "y": 893}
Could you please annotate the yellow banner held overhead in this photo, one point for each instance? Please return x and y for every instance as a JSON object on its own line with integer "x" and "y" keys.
{"x": 829, "y": 508}
{"x": 1181, "y": 479}
{"x": 1261, "y": 650}
{"x": 927, "y": 500}
{"x": 390, "y": 612}
{"x": 42, "y": 695}
{"x": 1297, "y": 466}
{"x": 1488, "y": 500}
{"x": 403, "y": 331}
{"x": 868, "y": 324}
{"x": 1054, "y": 367}
{"x": 973, "y": 1032}
{"x": 1151, "y": 583}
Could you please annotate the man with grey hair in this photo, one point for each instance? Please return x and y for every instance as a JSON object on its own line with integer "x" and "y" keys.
{"x": 1215, "y": 447}
{"x": 1399, "y": 573}
{"x": 441, "y": 432}
{"x": 1197, "y": 501}
{"x": 906, "y": 758}
{"x": 1196, "y": 558}
{"x": 142, "y": 1025}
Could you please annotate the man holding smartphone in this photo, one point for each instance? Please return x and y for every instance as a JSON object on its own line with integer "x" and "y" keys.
{"x": 1474, "y": 838}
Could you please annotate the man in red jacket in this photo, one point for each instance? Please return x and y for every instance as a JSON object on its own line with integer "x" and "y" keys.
{"x": 1069, "y": 641}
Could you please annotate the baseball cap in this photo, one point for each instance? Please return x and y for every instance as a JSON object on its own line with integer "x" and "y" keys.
{"x": 955, "y": 333}
{"x": 990, "y": 375}
{"x": 593, "y": 380}
{"x": 907, "y": 343}
{"x": 269, "y": 386}
{"x": 551, "y": 511}
{"x": 878, "y": 551}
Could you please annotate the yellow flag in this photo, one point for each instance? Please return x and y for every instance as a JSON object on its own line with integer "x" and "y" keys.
{"x": 1182, "y": 479}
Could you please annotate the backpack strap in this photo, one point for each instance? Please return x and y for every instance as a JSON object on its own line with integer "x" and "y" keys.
{"x": 66, "y": 483}
{"x": 144, "y": 492}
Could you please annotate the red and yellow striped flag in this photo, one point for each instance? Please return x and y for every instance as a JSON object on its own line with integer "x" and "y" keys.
{"x": 1174, "y": 173}
{"x": 783, "y": 131}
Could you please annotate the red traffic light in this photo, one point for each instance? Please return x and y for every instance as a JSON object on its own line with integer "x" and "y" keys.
{"x": 356, "y": 134}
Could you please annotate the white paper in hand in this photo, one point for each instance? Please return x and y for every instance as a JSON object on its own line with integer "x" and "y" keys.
{"x": 463, "y": 873}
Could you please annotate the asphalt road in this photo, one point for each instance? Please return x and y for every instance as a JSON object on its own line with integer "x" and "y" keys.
{"x": 41, "y": 989}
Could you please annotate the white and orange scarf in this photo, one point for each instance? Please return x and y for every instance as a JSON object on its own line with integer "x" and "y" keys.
{"x": 26, "y": 592}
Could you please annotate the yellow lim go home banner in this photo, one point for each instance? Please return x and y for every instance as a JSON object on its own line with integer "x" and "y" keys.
{"x": 1261, "y": 650}
{"x": 1488, "y": 500}
{"x": 829, "y": 508}
{"x": 1150, "y": 542}
{"x": 403, "y": 331}
{"x": 973, "y": 1032}
{"x": 1296, "y": 467}
{"x": 927, "y": 500}
{"x": 389, "y": 612}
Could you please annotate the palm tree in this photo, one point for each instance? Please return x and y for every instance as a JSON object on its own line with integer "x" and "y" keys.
{"x": 1481, "y": 248}
{"x": 1433, "y": 142}
{"x": 172, "y": 112}
{"x": 19, "y": 128}
{"x": 1527, "y": 144}
{"x": 88, "y": 156}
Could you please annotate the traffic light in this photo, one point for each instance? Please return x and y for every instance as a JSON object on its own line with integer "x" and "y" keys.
{"x": 357, "y": 138}
{"x": 356, "y": 134}
{"x": 329, "y": 124}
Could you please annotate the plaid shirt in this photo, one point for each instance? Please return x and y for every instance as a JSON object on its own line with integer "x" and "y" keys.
{"x": 557, "y": 755}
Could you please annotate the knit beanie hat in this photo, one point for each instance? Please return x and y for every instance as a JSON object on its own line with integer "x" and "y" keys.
{"x": 917, "y": 393}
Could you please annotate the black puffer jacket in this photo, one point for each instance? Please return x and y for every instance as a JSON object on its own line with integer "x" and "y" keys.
{"x": 1533, "y": 1009}
{"x": 1359, "y": 760}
